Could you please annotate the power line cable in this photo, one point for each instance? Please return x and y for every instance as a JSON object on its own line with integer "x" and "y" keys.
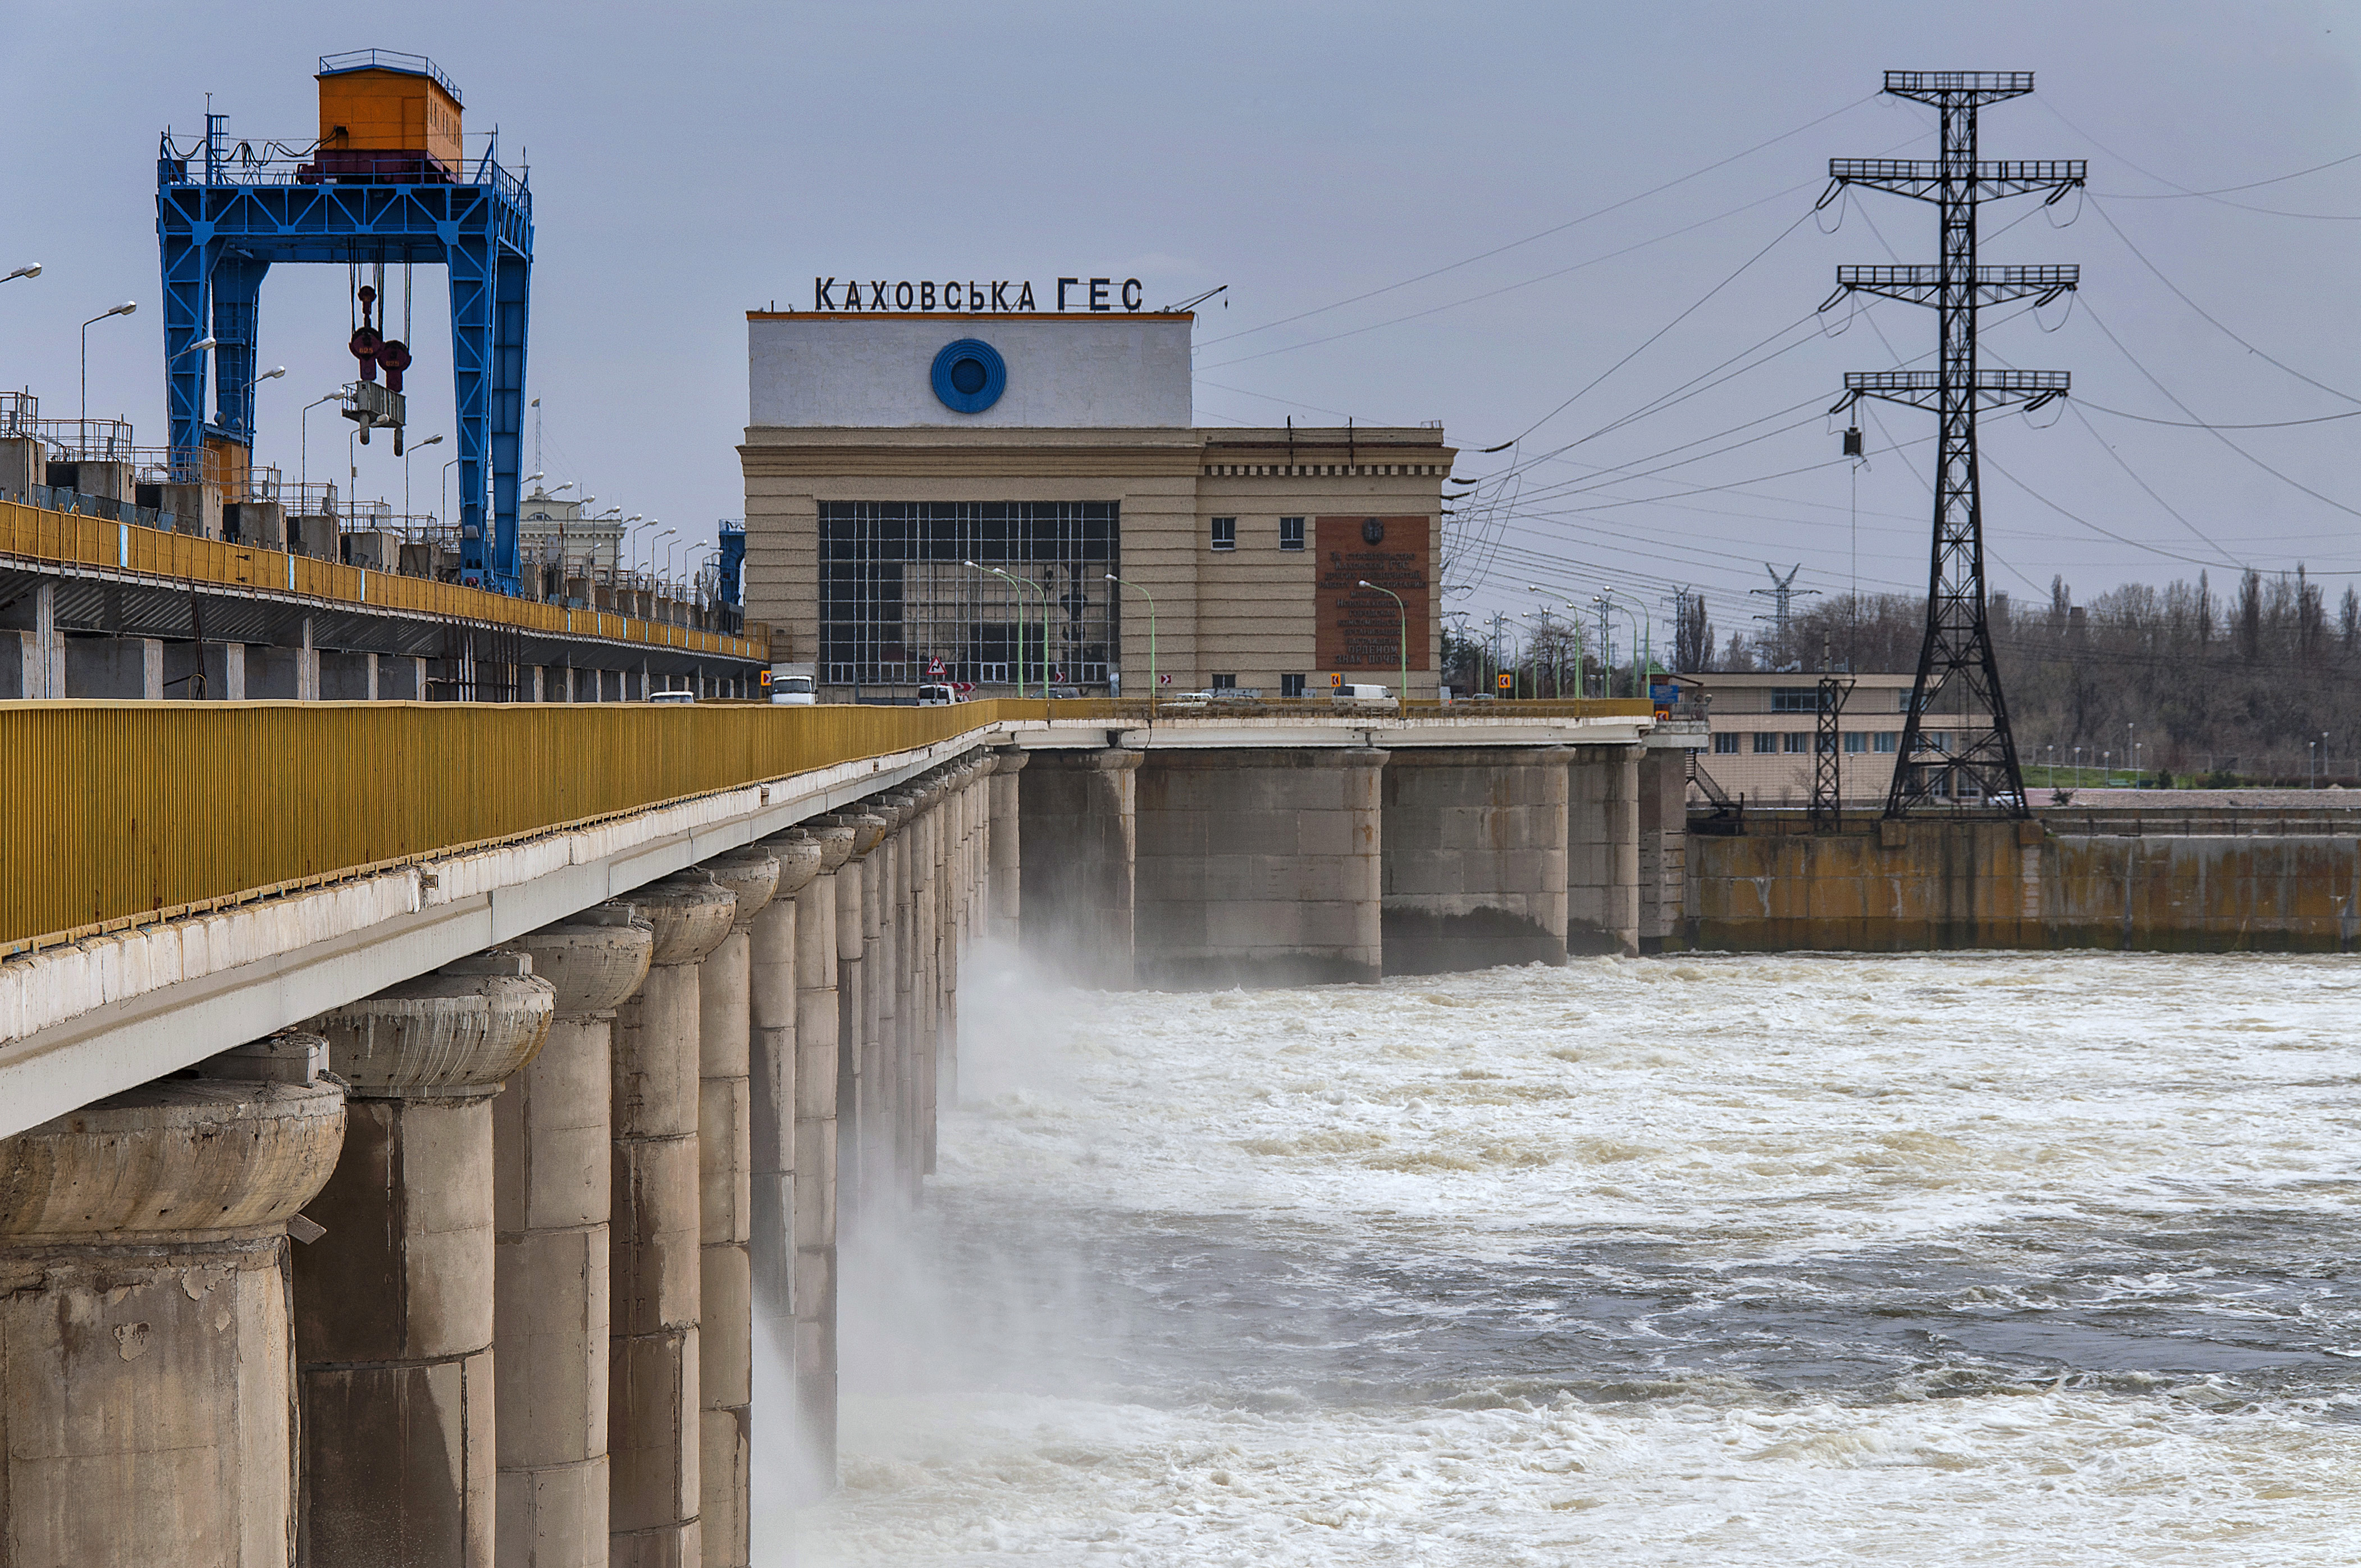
{"x": 1511, "y": 288}
{"x": 1556, "y": 229}
{"x": 2211, "y": 430}
{"x": 2108, "y": 218}
{"x": 2199, "y": 424}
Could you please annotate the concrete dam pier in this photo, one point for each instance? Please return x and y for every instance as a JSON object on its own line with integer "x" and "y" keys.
{"x": 430, "y": 1211}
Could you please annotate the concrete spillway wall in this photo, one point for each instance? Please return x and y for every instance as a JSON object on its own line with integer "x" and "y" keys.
{"x": 1897, "y": 886}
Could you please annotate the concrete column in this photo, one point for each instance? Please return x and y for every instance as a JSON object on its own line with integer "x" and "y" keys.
{"x": 1078, "y": 823}
{"x": 1602, "y": 886}
{"x": 552, "y": 1191}
{"x": 48, "y": 678}
{"x": 724, "y": 1169}
{"x": 1259, "y": 868}
{"x": 884, "y": 1074}
{"x": 1475, "y": 856}
{"x": 943, "y": 816}
{"x": 1005, "y": 865}
{"x": 234, "y": 672}
{"x": 307, "y": 666}
{"x": 856, "y": 1007}
{"x": 1663, "y": 844}
{"x": 818, "y": 965}
{"x": 146, "y": 1374}
{"x": 772, "y": 1003}
{"x": 393, "y": 1306}
{"x": 653, "y": 1268}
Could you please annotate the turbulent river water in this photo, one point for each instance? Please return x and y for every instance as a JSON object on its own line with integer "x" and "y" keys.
{"x": 2005, "y": 1258}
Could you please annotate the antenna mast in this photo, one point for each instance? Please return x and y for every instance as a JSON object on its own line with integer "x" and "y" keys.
{"x": 1957, "y": 655}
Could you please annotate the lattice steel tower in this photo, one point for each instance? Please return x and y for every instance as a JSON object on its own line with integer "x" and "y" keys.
{"x": 1955, "y": 664}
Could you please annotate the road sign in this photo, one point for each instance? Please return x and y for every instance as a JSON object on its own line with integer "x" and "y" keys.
{"x": 934, "y": 669}
{"x": 1507, "y": 680}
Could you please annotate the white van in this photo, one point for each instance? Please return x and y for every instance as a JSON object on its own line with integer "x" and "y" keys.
{"x": 937, "y": 695}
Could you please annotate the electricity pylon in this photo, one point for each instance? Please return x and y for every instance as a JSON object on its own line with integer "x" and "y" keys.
{"x": 1956, "y": 660}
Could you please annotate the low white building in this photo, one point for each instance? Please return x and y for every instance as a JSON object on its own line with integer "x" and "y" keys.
{"x": 552, "y": 527}
{"x": 1763, "y": 728}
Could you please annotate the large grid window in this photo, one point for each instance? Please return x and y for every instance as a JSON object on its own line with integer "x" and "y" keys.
{"x": 895, "y": 601}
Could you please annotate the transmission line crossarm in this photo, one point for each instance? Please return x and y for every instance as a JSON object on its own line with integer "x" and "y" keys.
{"x": 1956, "y": 657}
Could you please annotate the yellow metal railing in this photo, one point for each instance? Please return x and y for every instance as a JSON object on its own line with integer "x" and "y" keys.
{"x": 124, "y": 812}
{"x": 121, "y": 813}
{"x": 71, "y": 539}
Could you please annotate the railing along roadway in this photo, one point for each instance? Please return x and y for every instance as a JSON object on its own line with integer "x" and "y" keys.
{"x": 70, "y": 539}
{"x": 123, "y": 814}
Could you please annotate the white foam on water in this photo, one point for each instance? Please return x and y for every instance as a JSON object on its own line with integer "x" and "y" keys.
{"x": 1748, "y": 1124}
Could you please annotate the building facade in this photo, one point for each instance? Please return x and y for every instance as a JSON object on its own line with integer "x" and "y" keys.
{"x": 1764, "y": 729}
{"x": 954, "y": 496}
{"x": 553, "y": 529}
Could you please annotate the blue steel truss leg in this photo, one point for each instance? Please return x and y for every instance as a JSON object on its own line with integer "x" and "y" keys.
{"x": 514, "y": 284}
{"x": 184, "y": 244}
{"x": 236, "y": 299}
{"x": 470, "y": 256}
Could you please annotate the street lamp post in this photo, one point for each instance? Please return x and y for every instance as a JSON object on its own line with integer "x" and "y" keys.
{"x": 303, "y": 421}
{"x": 1020, "y": 584}
{"x": 125, "y": 308}
{"x": 420, "y": 446}
{"x": 31, "y": 270}
{"x": 1402, "y": 701}
{"x": 1639, "y": 639}
{"x": 119, "y": 310}
{"x": 1152, "y": 636}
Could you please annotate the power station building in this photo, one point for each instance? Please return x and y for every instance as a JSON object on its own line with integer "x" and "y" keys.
{"x": 949, "y": 495}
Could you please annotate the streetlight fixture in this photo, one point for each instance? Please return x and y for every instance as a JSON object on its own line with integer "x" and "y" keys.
{"x": 31, "y": 270}
{"x": 1639, "y": 637}
{"x": 1152, "y": 636}
{"x": 304, "y": 469}
{"x": 200, "y": 346}
{"x": 271, "y": 375}
{"x": 1401, "y": 703}
{"x": 415, "y": 447}
{"x": 125, "y": 308}
{"x": 1020, "y": 584}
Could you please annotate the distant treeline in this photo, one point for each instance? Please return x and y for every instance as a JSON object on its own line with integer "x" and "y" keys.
{"x": 2237, "y": 683}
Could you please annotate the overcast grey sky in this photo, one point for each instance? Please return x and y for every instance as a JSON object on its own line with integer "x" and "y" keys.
{"x": 690, "y": 161}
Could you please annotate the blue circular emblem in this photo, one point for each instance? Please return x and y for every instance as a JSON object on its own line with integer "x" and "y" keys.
{"x": 969, "y": 376}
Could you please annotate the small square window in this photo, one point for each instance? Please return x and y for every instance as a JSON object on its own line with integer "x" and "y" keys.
{"x": 1725, "y": 745}
{"x": 1226, "y": 682}
{"x": 1766, "y": 742}
{"x": 1290, "y": 536}
{"x": 1225, "y": 533}
{"x": 1292, "y": 686}
{"x": 1856, "y": 743}
{"x": 1796, "y": 742}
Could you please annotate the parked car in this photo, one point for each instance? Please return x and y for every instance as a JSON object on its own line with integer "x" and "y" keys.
{"x": 672, "y": 697}
{"x": 1065, "y": 694}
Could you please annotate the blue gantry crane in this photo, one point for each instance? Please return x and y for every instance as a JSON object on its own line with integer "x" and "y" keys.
{"x": 387, "y": 183}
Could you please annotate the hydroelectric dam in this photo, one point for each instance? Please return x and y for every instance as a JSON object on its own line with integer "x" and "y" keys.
{"x": 400, "y": 1173}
